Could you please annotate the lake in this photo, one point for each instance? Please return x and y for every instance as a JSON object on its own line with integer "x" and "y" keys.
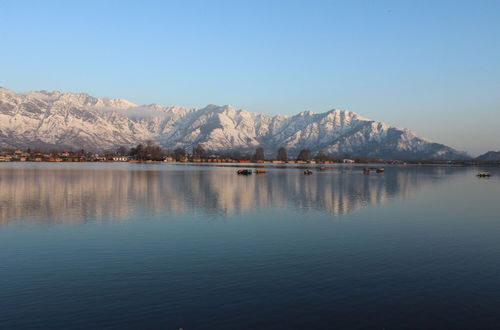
{"x": 108, "y": 245}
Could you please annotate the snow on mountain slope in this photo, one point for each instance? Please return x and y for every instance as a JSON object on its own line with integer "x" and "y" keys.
{"x": 78, "y": 120}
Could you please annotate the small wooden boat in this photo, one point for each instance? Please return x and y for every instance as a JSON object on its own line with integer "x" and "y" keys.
{"x": 484, "y": 174}
{"x": 260, "y": 171}
{"x": 244, "y": 172}
{"x": 308, "y": 172}
{"x": 366, "y": 171}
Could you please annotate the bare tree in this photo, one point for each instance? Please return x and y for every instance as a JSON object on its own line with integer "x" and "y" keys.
{"x": 304, "y": 155}
{"x": 282, "y": 154}
{"x": 259, "y": 154}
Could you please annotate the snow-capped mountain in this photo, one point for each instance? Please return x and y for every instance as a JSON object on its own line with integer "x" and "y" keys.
{"x": 71, "y": 120}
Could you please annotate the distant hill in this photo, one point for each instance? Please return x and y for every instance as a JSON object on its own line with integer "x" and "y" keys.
{"x": 78, "y": 120}
{"x": 490, "y": 156}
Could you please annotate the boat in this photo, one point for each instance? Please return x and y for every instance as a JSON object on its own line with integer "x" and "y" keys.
{"x": 308, "y": 172}
{"x": 484, "y": 174}
{"x": 260, "y": 171}
{"x": 366, "y": 171}
{"x": 244, "y": 172}
{"x": 380, "y": 170}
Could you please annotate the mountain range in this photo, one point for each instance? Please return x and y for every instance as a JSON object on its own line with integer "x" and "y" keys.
{"x": 490, "y": 156}
{"x": 44, "y": 119}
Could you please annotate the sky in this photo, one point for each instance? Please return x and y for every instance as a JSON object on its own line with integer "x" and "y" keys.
{"x": 431, "y": 66}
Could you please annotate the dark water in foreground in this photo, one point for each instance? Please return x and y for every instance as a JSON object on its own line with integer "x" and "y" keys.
{"x": 163, "y": 246}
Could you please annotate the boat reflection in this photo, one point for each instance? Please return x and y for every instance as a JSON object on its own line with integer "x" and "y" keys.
{"x": 71, "y": 194}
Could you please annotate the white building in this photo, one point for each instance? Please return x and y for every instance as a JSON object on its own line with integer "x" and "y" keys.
{"x": 120, "y": 158}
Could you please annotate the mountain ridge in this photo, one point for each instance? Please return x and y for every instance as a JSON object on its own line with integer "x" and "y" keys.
{"x": 79, "y": 120}
{"x": 490, "y": 156}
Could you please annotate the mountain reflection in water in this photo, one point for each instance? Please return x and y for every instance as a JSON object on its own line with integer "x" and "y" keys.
{"x": 90, "y": 192}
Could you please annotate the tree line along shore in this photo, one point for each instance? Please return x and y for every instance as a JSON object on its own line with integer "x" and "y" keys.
{"x": 150, "y": 152}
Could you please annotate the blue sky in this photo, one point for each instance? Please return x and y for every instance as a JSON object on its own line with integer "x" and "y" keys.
{"x": 431, "y": 66}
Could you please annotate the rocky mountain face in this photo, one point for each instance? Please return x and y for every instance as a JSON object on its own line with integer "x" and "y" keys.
{"x": 490, "y": 156}
{"x": 75, "y": 121}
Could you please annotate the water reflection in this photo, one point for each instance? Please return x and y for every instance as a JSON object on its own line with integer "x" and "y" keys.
{"x": 78, "y": 193}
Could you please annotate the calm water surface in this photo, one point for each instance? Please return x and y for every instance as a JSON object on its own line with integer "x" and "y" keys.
{"x": 164, "y": 246}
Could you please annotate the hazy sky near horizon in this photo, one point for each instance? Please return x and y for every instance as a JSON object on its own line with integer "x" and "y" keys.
{"x": 431, "y": 66}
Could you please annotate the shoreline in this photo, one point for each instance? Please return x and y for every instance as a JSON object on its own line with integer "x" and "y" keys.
{"x": 265, "y": 165}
